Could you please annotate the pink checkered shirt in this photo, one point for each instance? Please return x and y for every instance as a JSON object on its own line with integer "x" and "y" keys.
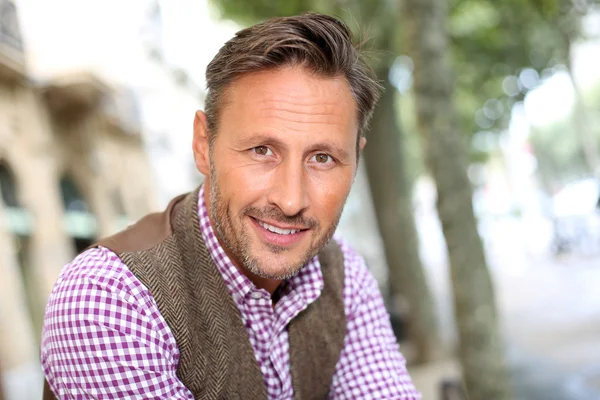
{"x": 105, "y": 338}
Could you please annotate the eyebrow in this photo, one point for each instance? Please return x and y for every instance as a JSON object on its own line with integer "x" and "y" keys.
{"x": 339, "y": 152}
{"x": 260, "y": 138}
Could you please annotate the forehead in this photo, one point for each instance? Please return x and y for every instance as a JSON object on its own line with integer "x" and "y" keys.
{"x": 293, "y": 94}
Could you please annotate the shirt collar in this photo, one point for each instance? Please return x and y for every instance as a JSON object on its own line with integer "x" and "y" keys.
{"x": 308, "y": 283}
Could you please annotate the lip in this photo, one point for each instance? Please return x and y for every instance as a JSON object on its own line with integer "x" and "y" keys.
{"x": 275, "y": 238}
{"x": 277, "y": 225}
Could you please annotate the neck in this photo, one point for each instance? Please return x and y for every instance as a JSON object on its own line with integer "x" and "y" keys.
{"x": 270, "y": 285}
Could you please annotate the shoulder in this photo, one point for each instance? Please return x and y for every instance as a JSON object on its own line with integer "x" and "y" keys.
{"x": 96, "y": 286}
{"x": 98, "y": 315}
{"x": 97, "y": 268}
{"x": 355, "y": 267}
{"x": 94, "y": 262}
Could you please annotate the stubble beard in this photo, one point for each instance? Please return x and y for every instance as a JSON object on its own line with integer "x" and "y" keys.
{"x": 239, "y": 243}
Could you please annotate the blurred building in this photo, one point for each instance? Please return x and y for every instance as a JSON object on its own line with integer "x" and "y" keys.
{"x": 72, "y": 162}
{"x": 72, "y": 169}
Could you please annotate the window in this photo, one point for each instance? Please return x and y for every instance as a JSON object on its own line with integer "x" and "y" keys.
{"x": 72, "y": 199}
{"x": 8, "y": 187}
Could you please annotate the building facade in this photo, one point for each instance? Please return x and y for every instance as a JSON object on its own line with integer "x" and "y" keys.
{"x": 73, "y": 168}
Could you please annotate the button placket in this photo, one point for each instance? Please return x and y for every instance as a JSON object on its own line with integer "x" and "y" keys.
{"x": 261, "y": 316}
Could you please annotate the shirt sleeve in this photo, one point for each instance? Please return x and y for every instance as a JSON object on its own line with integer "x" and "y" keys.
{"x": 370, "y": 365}
{"x": 104, "y": 337}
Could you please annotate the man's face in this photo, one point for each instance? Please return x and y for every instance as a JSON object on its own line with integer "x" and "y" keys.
{"x": 280, "y": 168}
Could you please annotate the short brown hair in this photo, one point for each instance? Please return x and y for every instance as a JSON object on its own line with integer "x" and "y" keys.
{"x": 320, "y": 43}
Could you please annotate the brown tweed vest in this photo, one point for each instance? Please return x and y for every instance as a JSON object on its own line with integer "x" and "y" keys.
{"x": 166, "y": 252}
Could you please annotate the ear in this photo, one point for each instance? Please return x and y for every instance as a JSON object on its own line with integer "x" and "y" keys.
{"x": 200, "y": 144}
{"x": 362, "y": 143}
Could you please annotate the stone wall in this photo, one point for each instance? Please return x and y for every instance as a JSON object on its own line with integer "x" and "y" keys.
{"x": 48, "y": 133}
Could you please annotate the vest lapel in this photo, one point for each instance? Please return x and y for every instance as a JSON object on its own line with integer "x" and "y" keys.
{"x": 167, "y": 253}
{"x": 214, "y": 336}
{"x": 216, "y": 358}
{"x": 317, "y": 333}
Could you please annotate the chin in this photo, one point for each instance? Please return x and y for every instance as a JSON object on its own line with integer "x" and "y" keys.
{"x": 268, "y": 272}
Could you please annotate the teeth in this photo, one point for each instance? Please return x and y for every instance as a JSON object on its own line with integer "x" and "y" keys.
{"x": 275, "y": 229}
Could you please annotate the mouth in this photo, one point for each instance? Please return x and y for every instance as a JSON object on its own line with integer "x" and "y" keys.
{"x": 275, "y": 229}
{"x": 285, "y": 236}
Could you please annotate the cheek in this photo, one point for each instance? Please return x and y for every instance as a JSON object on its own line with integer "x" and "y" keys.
{"x": 240, "y": 183}
{"x": 329, "y": 195}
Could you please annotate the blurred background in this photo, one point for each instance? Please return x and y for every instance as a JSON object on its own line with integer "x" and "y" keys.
{"x": 96, "y": 107}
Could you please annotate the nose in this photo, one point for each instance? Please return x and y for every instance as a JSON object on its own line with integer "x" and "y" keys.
{"x": 288, "y": 191}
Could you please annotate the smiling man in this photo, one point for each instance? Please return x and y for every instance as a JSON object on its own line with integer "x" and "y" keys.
{"x": 237, "y": 290}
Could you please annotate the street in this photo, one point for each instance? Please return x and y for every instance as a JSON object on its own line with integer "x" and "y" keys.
{"x": 549, "y": 307}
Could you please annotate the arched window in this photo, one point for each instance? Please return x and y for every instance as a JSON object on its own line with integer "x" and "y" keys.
{"x": 80, "y": 223}
{"x": 17, "y": 219}
{"x": 8, "y": 187}
{"x": 71, "y": 196}
{"x": 20, "y": 225}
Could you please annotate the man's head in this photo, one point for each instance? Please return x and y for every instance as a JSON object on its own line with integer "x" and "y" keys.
{"x": 288, "y": 102}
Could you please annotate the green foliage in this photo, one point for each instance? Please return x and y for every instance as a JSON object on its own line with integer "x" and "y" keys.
{"x": 490, "y": 41}
{"x": 374, "y": 19}
{"x": 249, "y": 12}
{"x": 470, "y": 17}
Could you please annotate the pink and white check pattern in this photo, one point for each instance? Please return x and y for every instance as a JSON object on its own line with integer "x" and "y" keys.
{"x": 105, "y": 338}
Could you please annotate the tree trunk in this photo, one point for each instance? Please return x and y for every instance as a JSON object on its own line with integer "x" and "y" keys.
{"x": 391, "y": 193}
{"x": 480, "y": 351}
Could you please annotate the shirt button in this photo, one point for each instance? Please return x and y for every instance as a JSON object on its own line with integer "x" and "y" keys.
{"x": 256, "y": 295}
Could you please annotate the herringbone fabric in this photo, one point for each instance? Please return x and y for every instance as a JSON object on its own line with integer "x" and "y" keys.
{"x": 317, "y": 333}
{"x": 104, "y": 336}
{"x": 216, "y": 357}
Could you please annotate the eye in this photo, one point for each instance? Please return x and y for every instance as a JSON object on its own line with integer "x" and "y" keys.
{"x": 262, "y": 151}
{"x": 322, "y": 158}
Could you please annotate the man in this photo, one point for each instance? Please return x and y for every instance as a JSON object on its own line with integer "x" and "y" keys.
{"x": 237, "y": 290}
